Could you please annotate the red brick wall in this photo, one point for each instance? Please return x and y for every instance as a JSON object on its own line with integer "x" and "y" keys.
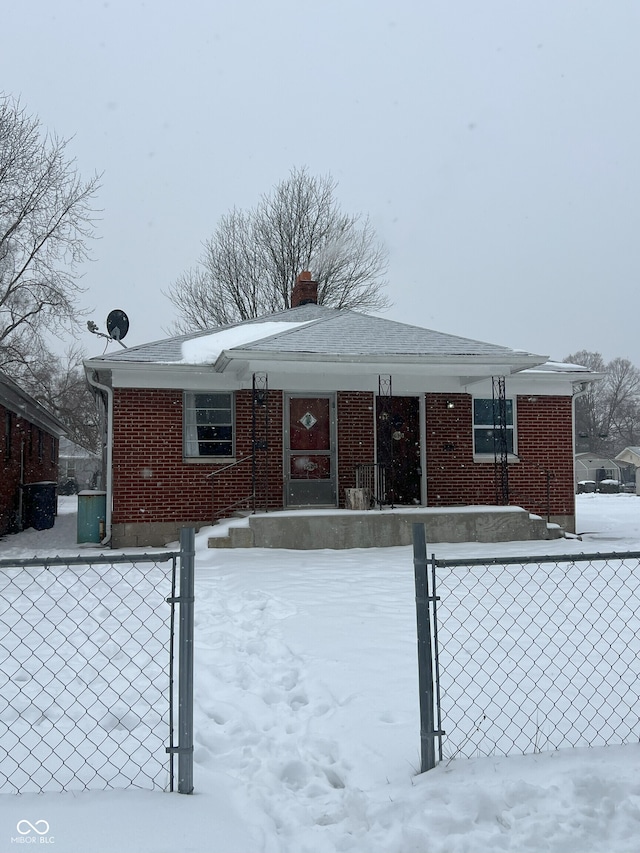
{"x": 151, "y": 482}
{"x": 23, "y": 435}
{"x": 355, "y": 436}
{"x": 544, "y": 441}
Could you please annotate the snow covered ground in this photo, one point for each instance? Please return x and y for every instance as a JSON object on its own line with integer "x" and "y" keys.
{"x": 307, "y": 731}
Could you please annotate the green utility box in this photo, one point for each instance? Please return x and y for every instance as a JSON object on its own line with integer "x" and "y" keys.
{"x": 92, "y": 513}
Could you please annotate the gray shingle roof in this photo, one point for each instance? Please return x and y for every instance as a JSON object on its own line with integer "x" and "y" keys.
{"x": 329, "y": 332}
{"x": 349, "y": 333}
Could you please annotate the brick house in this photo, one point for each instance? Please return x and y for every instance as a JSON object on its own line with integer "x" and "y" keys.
{"x": 293, "y": 409}
{"x": 28, "y": 451}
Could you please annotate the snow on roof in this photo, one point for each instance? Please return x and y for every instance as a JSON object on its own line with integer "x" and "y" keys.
{"x": 558, "y": 367}
{"x": 206, "y": 349}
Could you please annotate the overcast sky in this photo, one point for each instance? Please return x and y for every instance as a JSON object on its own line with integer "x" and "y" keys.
{"x": 495, "y": 146}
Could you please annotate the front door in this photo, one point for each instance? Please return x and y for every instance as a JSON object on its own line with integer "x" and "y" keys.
{"x": 310, "y": 451}
{"x": 398, "y": 443}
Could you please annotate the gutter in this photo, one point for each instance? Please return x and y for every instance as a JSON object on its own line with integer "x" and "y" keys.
{"x": 21, "y": 489}
{"x": 109, "y": 460}
{"x": 517, "y": 360}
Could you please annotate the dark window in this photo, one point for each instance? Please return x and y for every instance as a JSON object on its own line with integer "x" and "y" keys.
{"x": 485, "y": 417}
{"x": 40, "y": 445}
{"x": 208, "y": 425}
{"x": 7, "y": 436}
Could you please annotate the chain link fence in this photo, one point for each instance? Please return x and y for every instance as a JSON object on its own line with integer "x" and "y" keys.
{"x": 86, "y": 672}
{"x": 533, "y": 654}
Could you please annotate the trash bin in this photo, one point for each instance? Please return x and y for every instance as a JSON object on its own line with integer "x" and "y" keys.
{"x": 92, "y": 512}
{"x": 40, "y": 504}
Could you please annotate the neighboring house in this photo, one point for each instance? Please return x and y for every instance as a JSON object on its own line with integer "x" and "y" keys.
{"x": 293, "y": 409}
{"x": 28, "y": 451}
{"x": 630, "y": 457}
{"x": 593, "y": 468}
{"x": 78, "y": 468}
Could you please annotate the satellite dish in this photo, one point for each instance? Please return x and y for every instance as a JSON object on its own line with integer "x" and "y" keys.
{"x": 117, "y": 324}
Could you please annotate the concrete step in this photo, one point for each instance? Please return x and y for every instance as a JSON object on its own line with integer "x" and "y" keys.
{"x": 337, "y": 529}
{"x": 237, "y": 537}
{"x": 541, "y": 529}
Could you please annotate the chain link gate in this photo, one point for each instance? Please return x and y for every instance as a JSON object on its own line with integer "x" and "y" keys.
{"x": 87, "y": 671}
{"x": 529, "y": 653}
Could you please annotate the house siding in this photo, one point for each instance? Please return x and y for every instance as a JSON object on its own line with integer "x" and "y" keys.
{"x": 24, "y": 443}
{"x": 544, "y": 443}
{"x": 154, "y": 485}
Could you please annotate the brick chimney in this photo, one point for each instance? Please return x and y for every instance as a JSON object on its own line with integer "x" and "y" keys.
{"x": 305, "y": 290}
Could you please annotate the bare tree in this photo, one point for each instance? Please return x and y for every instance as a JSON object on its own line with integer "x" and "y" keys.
{"x": 60, "y": 384}
{"x": 591, "y": 430}
{"x": 623, "y": 381}
{"x": 46, "y": 219}
{"x": 608, "y": 415}
{"x": 250, "y": 264}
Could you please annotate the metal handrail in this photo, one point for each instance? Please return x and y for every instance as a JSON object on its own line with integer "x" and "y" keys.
{"x": 221, "y": 513}
{"x": 215, "y": 473}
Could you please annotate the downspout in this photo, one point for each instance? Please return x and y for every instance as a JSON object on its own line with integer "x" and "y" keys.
{"x": 579, "y": 390}
{"x": 109, "y": 460}
{"x": 21, "y": 489}
{"x": 424, "y": 494}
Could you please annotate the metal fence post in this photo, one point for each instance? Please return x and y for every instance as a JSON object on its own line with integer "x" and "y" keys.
{"x": 185, "y": 661}
{"x": 425, "y": 657}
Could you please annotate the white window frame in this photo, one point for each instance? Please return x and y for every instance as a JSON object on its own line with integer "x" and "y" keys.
{"x": 511, "y": 427}
{"x": 191, "y": 443}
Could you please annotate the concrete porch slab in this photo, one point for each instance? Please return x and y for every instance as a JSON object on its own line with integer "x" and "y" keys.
{"x": 338, "y": 529}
